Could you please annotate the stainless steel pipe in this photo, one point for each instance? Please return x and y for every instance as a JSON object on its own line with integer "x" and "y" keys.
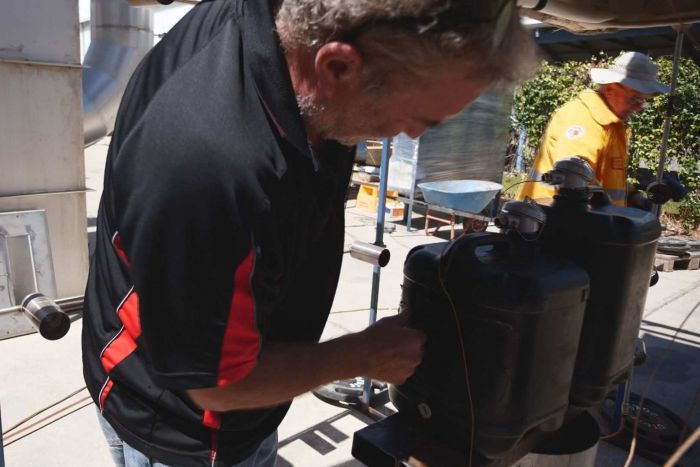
{"x": 46, "y": 316}
{"x": 370, "y": 253}
{"x": 120, "y": 36}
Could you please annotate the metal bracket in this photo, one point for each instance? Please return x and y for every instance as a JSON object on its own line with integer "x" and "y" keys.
{"x": 26, "y": 264}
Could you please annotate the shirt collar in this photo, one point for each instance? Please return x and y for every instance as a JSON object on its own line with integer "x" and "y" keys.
{"x": 268, "y": 65}
{"x": 599, "y": 110}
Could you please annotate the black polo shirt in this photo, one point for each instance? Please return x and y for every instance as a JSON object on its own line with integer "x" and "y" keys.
{"x": 219, "y": 230}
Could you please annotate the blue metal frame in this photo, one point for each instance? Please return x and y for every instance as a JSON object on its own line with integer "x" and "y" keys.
{"x": 379, "y": 241}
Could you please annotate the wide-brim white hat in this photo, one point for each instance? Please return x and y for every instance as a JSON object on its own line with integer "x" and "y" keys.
{"x": 634, "y": 70}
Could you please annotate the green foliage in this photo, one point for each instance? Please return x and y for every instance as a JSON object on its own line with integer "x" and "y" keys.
{"x": 511, "y": 184}
{"x": 555, "y": 84}
{"x": 689, "y": 211}
{"x": 684, "y": 137}
{"x": 552, "y": 87}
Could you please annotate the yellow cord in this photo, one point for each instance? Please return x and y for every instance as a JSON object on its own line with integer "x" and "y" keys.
{"x": 505, "y": 190}
{"x": 647, "y": 386}
{"x": 673, "y": 460}
{"x": 463, "y": 353}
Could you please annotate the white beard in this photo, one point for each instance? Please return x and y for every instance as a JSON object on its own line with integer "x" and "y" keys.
{"x": 324, "y": 122}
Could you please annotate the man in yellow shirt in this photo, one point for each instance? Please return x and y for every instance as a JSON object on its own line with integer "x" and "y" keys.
{"x": 593, "y": 125}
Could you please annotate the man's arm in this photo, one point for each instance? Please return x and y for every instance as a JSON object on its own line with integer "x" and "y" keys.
{"x": 387, "y": 351}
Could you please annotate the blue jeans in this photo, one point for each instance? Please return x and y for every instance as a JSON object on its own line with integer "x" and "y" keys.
{"x": 126, "y": 456}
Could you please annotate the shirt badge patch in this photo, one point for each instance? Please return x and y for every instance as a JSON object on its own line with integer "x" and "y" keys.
{"x": 575, "y": 132}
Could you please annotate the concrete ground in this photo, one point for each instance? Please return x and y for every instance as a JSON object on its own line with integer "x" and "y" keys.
{"x": 35, "y": 372}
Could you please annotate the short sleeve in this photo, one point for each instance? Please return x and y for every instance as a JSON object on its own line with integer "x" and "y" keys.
{"x": 577, "y": 136}
{"x": 189, "y": 247}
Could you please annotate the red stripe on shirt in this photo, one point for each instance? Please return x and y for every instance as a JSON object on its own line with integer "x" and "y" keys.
{"x": 105, "y": 392}
{"x": 269, "y": 113}
{"x": 241, "y": 340}
{"x": 214, "y": 446}
{"x": 211, "y": 419}
{"x": 117, "y": 242}
{"x": 125, "y": 342}
{"x": 118, "y": 350}
{"x": 129, "y": 315}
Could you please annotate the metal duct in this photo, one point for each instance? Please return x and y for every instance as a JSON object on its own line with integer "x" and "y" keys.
{"x": 569, "y": 11}
{"x": 599, "y": 16}
{"x": 120, "y": 36}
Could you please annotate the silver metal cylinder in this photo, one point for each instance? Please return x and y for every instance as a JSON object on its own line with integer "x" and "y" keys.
{"x": 46, "y": 316}
{"x": 120, "y": 37}
{"x": 370, "y": 253}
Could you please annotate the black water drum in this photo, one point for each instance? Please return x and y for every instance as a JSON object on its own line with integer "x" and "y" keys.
{"x": 616, "y": 247}
{"x": 520, "y": 315}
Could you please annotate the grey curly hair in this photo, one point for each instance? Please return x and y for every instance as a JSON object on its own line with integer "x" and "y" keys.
{"x": 415, "y": 36}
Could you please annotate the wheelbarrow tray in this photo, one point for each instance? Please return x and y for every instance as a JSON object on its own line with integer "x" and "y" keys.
{"x": 460, "y": 195}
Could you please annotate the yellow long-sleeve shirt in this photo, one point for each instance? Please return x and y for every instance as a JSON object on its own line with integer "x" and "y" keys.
{"x": 587, "y": 128}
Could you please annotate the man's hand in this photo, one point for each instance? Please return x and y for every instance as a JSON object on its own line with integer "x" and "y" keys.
{"x": 386, "y": 351}
{"x": 392, "y": 350}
